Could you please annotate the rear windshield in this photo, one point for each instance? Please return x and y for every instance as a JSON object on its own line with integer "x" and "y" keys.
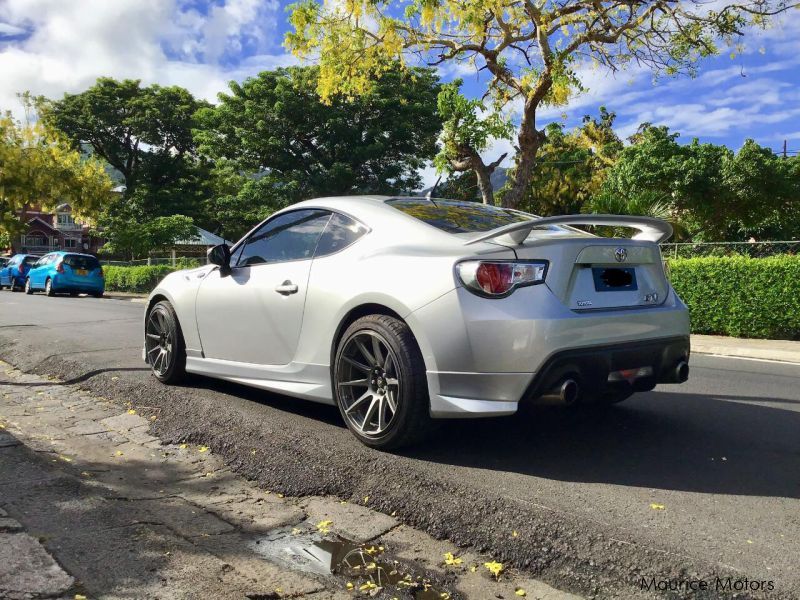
{"x": 77, "y": 261}
{"x": 29, "y": 260}
{"x": 455, "y": 216}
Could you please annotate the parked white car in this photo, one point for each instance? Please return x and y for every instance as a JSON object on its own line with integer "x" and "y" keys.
{"x": 403, "y": 310}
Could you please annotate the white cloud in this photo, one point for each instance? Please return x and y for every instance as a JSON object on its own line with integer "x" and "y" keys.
{"x": 159, "y": 41}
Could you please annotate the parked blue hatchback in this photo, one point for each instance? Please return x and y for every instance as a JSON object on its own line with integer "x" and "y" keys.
{"x": 66, "y": 272}
{"x": 13, "y": 274}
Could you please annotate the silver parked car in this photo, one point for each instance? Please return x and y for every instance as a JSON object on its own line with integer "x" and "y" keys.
{"x": 403, "y": 310}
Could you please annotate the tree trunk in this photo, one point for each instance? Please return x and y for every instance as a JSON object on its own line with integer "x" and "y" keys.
{"x": 529, "y": 140}
{"x": 470, "y": 159}
{"x": 484, "y": 181}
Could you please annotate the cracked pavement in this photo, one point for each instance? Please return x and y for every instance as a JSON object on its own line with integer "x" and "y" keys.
{"x": 92, "y": 505}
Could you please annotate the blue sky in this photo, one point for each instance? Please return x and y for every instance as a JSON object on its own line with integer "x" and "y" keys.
{"x": 52, "y": 46}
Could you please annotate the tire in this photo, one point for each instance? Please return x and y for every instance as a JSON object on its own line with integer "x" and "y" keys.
{"x": 363, "y": 402}
{"x": 48, "y": 288}
{"x": 28, "y": 288}
{"x": 167, "y": 354}
{"x": 97, "y": 294}
{"x": 73, "y": 294}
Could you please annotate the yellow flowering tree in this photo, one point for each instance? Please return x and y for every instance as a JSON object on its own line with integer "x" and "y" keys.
{"x": 530, "y": 49}
{"x": 39, "y": 166}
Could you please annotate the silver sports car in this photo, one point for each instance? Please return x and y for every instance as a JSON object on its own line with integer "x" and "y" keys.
{"x": 403, "y": 310}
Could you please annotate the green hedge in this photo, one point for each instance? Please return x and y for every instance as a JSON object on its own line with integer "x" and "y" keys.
{"x": 739, "y": 296}
{"x": 135, "y": 279}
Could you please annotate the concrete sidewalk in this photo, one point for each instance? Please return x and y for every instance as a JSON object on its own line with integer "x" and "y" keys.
{"x": 782, "y": 350}
{"x": 93, "y": 506}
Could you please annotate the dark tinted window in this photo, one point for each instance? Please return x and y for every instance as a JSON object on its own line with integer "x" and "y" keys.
{"x": 454, "y": 216}
{"x": 78, "y": 261}
{"x": 29, "y": 260}
{"x": 290, "y": 236}
{"x": 340, "y": 233}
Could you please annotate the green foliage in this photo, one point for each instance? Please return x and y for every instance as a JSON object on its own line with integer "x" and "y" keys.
{"x": 709, "y": 192}
{"x": 135, "y": 279}
{"x": 38, "y": 166}
{"x": 466, "y": 127}
{"x": 131, "y": 236}
{"x": 145, "y": 134}
{"x": 740, "y": 296}
{"x": 276, "y": 124}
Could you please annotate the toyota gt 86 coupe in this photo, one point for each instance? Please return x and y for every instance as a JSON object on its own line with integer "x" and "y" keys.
{"x": 405, "y": 310}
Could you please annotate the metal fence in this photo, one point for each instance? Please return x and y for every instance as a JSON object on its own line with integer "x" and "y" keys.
{"x": 750, "y": 249}
{"x": 173, "y": 261}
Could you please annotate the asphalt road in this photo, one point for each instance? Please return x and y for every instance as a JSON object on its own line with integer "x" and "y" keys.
{"x": 721, "y": 454}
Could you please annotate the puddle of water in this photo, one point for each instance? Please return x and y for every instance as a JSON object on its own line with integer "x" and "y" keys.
{"x": 362, "y": 566}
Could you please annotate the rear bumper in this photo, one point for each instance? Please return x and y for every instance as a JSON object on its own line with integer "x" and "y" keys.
{"x": 484, "y": 356}
{"x": 464, "y": 395}
{"x": 61, "y": 283}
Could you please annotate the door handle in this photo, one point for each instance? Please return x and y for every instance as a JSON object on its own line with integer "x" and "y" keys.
{"x": 286, "y": 288}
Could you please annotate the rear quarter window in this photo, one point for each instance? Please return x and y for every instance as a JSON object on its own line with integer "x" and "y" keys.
{"x": 340, "y": 232}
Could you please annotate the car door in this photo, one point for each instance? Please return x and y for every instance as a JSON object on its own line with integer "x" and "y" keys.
{"x": 6, "y": 272}
{"x": 38, "y": 271}
{"x": 254, "y": 314}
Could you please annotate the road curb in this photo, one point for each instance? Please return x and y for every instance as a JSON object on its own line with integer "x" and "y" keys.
{"x": 778, "y": 350}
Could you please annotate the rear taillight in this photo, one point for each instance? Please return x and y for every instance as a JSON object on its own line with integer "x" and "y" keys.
{"x": 100, "y": 272}
{"x": 495, "y": 279}
{"x": 60, "y": 268}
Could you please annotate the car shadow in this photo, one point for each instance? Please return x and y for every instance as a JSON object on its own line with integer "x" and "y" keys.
{"x": 690, "y": 442}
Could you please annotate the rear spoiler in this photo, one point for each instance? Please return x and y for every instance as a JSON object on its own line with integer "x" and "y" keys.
{"x": 654, "y": 230}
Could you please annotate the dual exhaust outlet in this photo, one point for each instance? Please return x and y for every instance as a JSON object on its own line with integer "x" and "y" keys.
{"x": 568, "y": 391}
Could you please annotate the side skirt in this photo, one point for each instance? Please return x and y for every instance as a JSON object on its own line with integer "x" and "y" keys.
{"x": 307, "y": 381}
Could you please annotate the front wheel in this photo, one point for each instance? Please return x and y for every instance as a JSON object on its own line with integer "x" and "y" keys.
{"x": 28, "y": 288}
{"x": 163, "y": 343}
{"x": 379, "y": 383}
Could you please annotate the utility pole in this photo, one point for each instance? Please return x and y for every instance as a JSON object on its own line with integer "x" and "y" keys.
{"x": 784, "y": 148}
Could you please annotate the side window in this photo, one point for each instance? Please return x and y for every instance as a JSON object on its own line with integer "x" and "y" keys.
{"x": 290, "y": 236}
{"x": 340, "y": 233}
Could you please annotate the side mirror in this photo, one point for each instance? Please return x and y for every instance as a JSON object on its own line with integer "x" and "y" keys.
{"x": 221, "y": 256}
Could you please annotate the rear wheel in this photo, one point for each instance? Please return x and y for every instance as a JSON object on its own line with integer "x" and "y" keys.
{"x": 163, "y": 343}
{"x": 97, "y": 294}
{"x": 28, "y": 288}
{"x": 379, "y": 383}
{"x": 48, "y": 287}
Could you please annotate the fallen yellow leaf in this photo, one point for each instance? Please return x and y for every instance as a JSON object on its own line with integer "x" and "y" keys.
{"x": 495, "y": 568}
{"x": 279, "y": 495}
{"x": 656, "y": 506}
{"x": 153, "y": 418}
{"x": 473, "y": 568}
{"x": 514, "y": 533}
{"x": 749, "y": 541}
{"x": 80, "y": 597}
{"x": 65, "y": 458}
{"x": 349, "y": 586}
{"x": 520, "y": 592}
{"x": 203, "y": 449}
{"x": 366, "y": 499}
{"x": 118, "y": 453}
{"x": 367, "y": 586}
{"x": 131, "y": 412}
{"x": 324, "y": 526}
{"x": 451, "y": 560}
{"x": 182, "y": 446}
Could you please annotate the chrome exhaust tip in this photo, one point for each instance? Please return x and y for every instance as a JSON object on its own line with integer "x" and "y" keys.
{"x": 566, "y": 392}
{"x": 682, "y": 371}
